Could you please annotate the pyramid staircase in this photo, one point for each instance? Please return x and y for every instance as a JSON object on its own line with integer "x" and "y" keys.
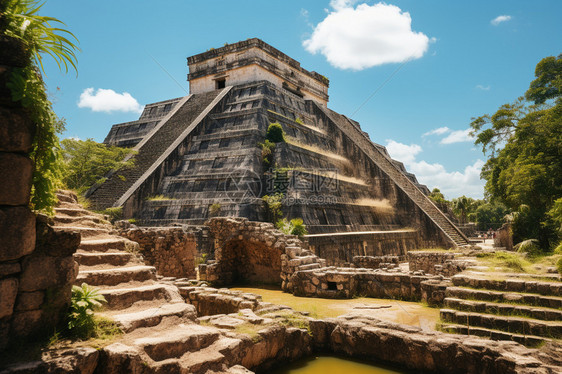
{"x": 526, "y": 311}
{"x": 158, "y": 325}
{"x": 385, "y": 163}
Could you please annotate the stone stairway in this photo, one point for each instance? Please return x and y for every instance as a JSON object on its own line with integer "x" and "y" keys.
{"x": 525, "y": 311}
{"x": 161, "y": 331}
{"x": 405, "y": 184}
{"x": 150, "y": 151}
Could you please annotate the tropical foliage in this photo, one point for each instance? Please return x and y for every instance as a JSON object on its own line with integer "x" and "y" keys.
{"x": 40, "y": 35}
{"x": 86, "y": 162}
{"x": 275, "y": 133}
{"x": 295, "y": 226}
{"x": 84, "y": 301}
{"x": 524, "y": 169}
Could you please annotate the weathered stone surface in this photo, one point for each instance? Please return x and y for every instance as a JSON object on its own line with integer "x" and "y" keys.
{"x": 13, "y": 52}
{"x": 9, "y": 269}
{"x": 27, "y": 323}
{"x": 16, "y": 130}
{"x": 17, "y": 230}
{"x": 30, "y": 300}
{"x": 8, "y": 293}
{"x": 41, "y": 272}
{"x": 57, "y": 242}
{"x": 16, "y": 171}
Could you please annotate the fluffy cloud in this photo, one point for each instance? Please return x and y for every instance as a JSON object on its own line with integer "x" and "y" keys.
{"x": 105, "y": 100}
{"x": 458, "y": 136}
{"x": 438, "y": 131}
{"x": 483, "y": 88}
{"x": 452, "y": 184}
{"x": 366, "y": 36}
{"x": 499, "y": 19}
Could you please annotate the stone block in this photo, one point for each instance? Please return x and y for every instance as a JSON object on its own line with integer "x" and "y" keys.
{"x": 9, "y": 269}
{"x": 16, "y": 130}
{"x": 56, "y": 242}
{"x": 8, "y": 293}
{"x": 42, "y": 272}
{"x": 27, "y": 323}
{"x": 16, "y": 172}
{"x": 17, "y": 230}
{"x": 30, "y": 300}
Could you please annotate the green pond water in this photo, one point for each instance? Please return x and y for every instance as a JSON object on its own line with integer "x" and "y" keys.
{"x": 332, "y": 365}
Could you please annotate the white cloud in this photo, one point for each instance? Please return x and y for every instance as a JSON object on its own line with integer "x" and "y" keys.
{"x": 451, "y": 183}
{"x": 106, "y": 100}
{"x": 366, "y": 36}
{"x": 483, "y": 88}
{"x": 457, "y": 136}
{"x": 438, "y": 131}
{"x": 499, "y": 19}
{"x": 403, "y": 152}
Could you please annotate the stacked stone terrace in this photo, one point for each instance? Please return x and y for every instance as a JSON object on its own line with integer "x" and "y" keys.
{"x": 204, "y": 159}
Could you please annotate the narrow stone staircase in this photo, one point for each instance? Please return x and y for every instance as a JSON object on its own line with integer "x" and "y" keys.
{"x": 110, "y": 262}
{"x": 526, "y": 311}
{"x": 161, "y": 333}
{"x": 405, "y": 184}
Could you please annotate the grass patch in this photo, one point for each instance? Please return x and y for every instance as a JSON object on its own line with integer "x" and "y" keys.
{"x": 511, "y": 261}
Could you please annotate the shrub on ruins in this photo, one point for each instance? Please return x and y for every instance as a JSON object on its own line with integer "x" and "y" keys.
{"x": 86, "y": 162}
{"x": 524, "y": 168}
{"x": 490, "y": 215}
{"x": 273, "y": 206}
{"x": 41, "y": 36}
{"x": 267, "y": 149}
{"x": 275, "y": 133}
{"x": 295, "y": 226}
{"x": 214, "y": 210}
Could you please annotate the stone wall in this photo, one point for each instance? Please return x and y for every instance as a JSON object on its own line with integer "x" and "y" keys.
{"x": 442, "y": 263}
{"x": 504, "y": 237}
{"x": 335, "y": 282}
{"x": 171, "y": 250}
{"x": 376, "y": 262}
{"x": 36, "y": 265}
{"x": 339, "y": 249}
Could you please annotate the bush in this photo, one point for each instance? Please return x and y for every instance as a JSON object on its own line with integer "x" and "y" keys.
{"x": 275, "y": 133}
{"x": 214, "y": 209}
{"x": 84, "y": 301}
{"x": 559, "y": 265}
{"x": 293, "y": 227}
{"x": 273, "y": 206}
{"x": 530, "y": 246}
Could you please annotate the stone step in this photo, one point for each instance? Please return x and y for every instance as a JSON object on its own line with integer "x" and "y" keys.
{"x": 115, "y": 276}
{"x": 88, "y": 232}
{"x": 505, "y": 297}
{"x": 73, "y": 212}
{"x": 104, "y": 245}
{"x": 510, "y": 285}
{"x": 79, "y": 219}
{"x": 546, "y": 314}
{"x": 212, "y": 358}
{"x": 309, "y": 266}
{"x": 514, "y": 325}
{"x": 528, "y": 340}
{"x": 129, "y": 321}
{"x": 121, "y": 298}
{"x": 109, "y": 258}
{"x": 174, "y": 343}
{"x": 66, "y": 197}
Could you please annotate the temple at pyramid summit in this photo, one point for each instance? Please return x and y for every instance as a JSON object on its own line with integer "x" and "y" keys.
{"x": 203, "y": 155}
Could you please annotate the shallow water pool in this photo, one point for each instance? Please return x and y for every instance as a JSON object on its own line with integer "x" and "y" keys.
{"x": 332, "y": 365}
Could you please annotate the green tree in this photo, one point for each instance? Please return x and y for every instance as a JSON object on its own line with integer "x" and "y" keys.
{"x": 490, "y": 215}
{"x": 527, "y": 171}
{"x": 439, "y": 199}
{"x": 87, "y": 162}
{"x": 40, "y": 36}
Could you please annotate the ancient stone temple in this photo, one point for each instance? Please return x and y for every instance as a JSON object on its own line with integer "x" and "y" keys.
{"x": 202, "y": 155}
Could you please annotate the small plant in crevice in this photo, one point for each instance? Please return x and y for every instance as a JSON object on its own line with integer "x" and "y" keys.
{"x": 273, "y": 206}
{"x": 267, "y": 148}
{"x": 113, "y": 213}
{"x": 214, "y": 210}
{"x": 84, "y": 301}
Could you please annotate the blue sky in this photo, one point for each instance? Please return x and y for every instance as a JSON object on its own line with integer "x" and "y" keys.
{"x": 459, "y": 64}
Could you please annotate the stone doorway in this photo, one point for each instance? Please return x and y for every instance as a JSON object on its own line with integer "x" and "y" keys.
{"x": 243, "y": 261}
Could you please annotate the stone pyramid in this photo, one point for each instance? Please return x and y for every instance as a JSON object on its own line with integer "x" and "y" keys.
{"x": 200, "y": 156}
